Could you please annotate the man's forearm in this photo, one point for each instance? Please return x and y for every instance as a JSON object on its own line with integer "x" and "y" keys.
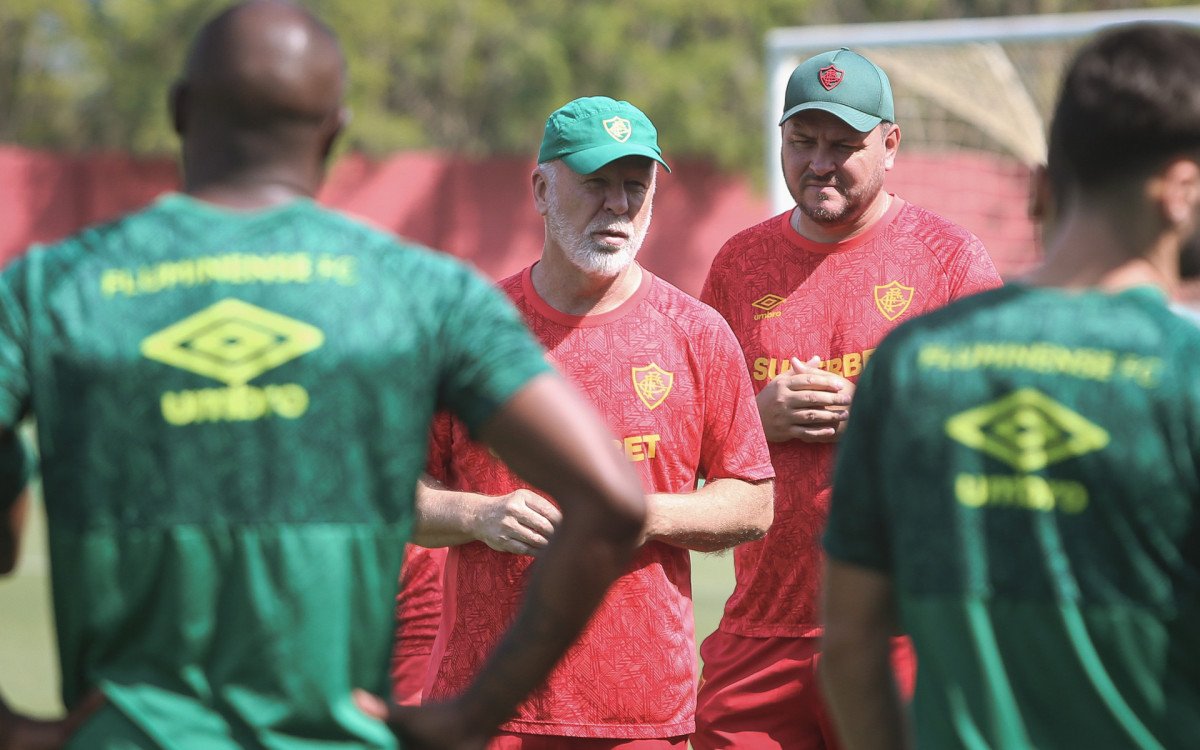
{"x": 444, "y": 517}
{"x": 12, "y": 521}
{"x": 856, "y": 669}
{"x": 862, "y": 695}
{"x": 721, "y": 514}
{"x": 14, "y": 498}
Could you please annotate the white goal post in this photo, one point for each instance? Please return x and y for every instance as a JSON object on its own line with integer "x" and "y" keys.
{"x": 968, "y": 84}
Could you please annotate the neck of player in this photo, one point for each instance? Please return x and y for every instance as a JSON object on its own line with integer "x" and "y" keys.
{"x": 224, "y": 172}
{"x": 1095, "y": 248}
{"x": 569, "y": 289}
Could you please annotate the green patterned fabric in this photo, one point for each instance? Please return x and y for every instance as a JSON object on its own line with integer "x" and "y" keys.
{"x": 1025, "y": 466}
{"x": 232, "y": 413}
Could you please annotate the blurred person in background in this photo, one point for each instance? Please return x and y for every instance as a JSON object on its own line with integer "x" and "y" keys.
{"x": 233, "y": 390}
{"x": 1032, "y": 519}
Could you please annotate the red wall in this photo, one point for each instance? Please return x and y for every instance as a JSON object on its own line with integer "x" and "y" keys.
{"x": 482, "y": 211}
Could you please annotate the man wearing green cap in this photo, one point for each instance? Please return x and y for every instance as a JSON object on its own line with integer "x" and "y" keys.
{"x": 809, "y": 293}
{"x": 664, "y": 371}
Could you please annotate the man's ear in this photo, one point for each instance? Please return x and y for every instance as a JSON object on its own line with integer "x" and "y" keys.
{"x": 891, "y": 146}
{"x": 336, "y": 124}
{"x": 541, "y": 190}
{"x": 1176, "y": 190}
{"x": 1040, "y": 206}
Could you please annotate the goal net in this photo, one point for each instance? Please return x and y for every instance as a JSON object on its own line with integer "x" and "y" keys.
{"x": 972, "y": 99}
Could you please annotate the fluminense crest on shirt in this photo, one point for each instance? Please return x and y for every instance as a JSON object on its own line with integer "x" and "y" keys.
{"x": 892, "y": 299}
{"x": 830, "y": 77}
{"x": 652, "y": 384}
{"x": 619, "y": 128}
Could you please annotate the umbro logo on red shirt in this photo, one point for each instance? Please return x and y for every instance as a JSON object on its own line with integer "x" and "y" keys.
{"x": 767, "y": 303}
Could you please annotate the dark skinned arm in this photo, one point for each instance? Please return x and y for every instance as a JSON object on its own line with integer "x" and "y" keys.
{"x": 550, "y": 437}
{"x": 856, "y": 672}
{"x": 19, "y": 732}
{"x": 14, "y": 500}
{"x": 12, "y": 523}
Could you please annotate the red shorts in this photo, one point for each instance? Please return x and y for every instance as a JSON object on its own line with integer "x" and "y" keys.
{"x": 763, "y": 693}
{"x": 515, "y": 741}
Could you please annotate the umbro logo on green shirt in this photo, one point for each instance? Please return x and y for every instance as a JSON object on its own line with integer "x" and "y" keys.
{"x": 233, "y": 342}
{"x": 1029, "y": 431}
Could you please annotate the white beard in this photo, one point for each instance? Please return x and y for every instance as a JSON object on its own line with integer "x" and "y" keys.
{"x": 597, "y": 258}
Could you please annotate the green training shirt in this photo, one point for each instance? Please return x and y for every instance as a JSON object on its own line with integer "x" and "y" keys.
{"x": 232, "y": 413}
{"x": 1025, "y": 466}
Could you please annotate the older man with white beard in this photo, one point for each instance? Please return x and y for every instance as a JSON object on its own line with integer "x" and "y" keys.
{"x": 664, "y": 370}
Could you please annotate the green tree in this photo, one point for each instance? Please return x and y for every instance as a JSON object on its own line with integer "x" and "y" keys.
{"x": 475, "y": 77}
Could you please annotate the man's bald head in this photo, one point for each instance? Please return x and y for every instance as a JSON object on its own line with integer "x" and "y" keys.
{"x": 260, "y": 103}
{"x": 265, "y": 61}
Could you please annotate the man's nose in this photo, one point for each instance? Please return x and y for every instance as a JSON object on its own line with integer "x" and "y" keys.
{"x": 823, "y": 161}
{"x": 616, "y": 200}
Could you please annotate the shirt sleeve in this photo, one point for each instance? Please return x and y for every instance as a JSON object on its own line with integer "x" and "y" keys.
{"x": 487, "y": 353}
{"x": 972, "y": 270}
{"x": 712, "y": 293}
{"x": 856, "y": 531}
{"x": 17, "y": 465}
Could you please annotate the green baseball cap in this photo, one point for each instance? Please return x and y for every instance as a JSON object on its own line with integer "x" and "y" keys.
{"x": 592, "y": 131}
{"x": 842, "y": 83}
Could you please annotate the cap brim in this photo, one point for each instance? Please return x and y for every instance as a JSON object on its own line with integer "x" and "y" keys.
{"x": 860, "y": 121}
{"x": 591, "y": 159}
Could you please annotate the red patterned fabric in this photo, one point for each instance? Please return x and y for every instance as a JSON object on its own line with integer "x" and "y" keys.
{"x": 665, "y": 373}
{"x": 418, "y": 612}
{"x": 514, "y": 741}
{"x": 787, "y": 296}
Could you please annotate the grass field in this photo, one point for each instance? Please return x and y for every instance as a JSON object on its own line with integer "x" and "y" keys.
{"x": 29, "y": 668}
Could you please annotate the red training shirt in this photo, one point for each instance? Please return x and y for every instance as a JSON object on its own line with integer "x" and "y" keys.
{"x": 787, "y": 296}
{"x": 664, "y": 372}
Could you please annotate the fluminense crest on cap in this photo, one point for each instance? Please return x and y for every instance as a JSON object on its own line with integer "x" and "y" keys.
{"x": 619, "y": 128}
{"x": 842, "y": 83}
{"x": 830, "y": 77}
{"x": 592, "y": 131}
